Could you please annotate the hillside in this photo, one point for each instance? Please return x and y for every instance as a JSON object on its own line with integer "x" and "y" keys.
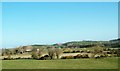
{"x": 85, "y": 44}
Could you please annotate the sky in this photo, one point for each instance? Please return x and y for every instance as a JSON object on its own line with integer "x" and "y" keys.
{"x": 0, "y": 25}
{"x": 60, "y": 0}
{"x": 26, "y": 23}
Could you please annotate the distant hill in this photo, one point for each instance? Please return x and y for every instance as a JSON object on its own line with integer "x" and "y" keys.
{"x": 114, "y": 43}
{"x": 85, "y": 44}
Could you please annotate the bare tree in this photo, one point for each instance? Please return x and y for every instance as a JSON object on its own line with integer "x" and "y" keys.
{"x": 58, "y": 52}
{"x": 40, "y": 53}
{"x": 51, "y": 52}
{"x": 98, "y": 50}
{"x": 34, "y": 55}
{"x": 9, "y": 55}
{"x": 37, "y": 53}
{"x": 54, "y": 52}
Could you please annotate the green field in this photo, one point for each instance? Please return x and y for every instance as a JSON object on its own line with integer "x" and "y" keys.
{"x": 104, "y": 63}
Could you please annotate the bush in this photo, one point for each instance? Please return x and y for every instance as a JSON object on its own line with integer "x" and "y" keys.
{"x": 73, "y": 51}
{"x": 19, "y": 58}
{"x": 58, "y": 52}
{"x": 75, "y": 57}
{"x": 27, "y": 58}
{"x": 63, "y": 57}
{"x": 9, "y": 57}
{"x": 85, "y": 56}
{"x": 78, "y": 56}
{"x": 81, "y": 51}
{"x": 102, "y": 55}
{"x": 46, "y": 57}
{"x": 88, "y": 51}
{"x": 5, "y": 58}
{"x": 35, "y": 55}
{"x": 41, "y": 58}
{"x": 77, "y": 51}
{"x": 97, "y": 56}
{"x": 67, "y": 52}
{"x": 67, "y": 57}
{"x": 54, "y": 53}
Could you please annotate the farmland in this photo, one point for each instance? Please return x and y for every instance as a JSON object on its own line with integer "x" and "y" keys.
{"x": 102, "y": 63}
{"x": 71, "y": 55}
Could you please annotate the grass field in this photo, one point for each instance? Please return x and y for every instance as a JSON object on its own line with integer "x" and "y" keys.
{"x": 105, "y": 63}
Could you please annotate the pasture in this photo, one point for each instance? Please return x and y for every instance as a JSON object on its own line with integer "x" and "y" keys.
{"x": 102, "y": 63}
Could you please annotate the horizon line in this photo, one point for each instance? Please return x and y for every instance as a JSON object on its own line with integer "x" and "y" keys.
{"x": 56, "y": 43}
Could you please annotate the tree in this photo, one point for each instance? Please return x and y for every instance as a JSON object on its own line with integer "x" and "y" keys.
{"x": 98, "y": 50}
{"x": 39, "y": 54}
{"x": 51, "y": 52}
{"x": 9, "y": 56}
{"x": 17, "y": 51}
{"x": 34, "y": 55}
{"x": 58, "y": 51}
{"x": 54, "y": 52}
{"x": 6, "y": 52}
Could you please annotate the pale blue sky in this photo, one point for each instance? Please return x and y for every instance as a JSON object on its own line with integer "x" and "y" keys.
{"x": 0, "y": 25}
{"x": 47, "y": 23}
{"x": 60, "y": 0}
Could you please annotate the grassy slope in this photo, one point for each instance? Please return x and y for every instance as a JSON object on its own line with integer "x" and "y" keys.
{"x": 107, "y": 63}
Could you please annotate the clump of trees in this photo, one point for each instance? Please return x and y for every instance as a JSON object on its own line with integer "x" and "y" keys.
{"x": 53, "y": 53}
{"x": 100, "y": 49}
{"x": 97, "y": 50}
{"x": 37, "y": 53}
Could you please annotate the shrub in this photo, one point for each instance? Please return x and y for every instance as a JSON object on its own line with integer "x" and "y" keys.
{"x": 97, "y": 50}
{"x": 35, "y": 55}
{"x": 78, "y": 56}
{"x": 69, "y": 57}
{"x": 66, "y": 52}
{"x": 88, "y": 51}
{"x": 54, "y": 52}
{"x": 81, "y": 51}
{"x": 58, "y": 52}
{"x": 73, "y": 51}
{"x": 63, "y": 57}
{"x": 5, "y": 59}
{"x": 115, "y": 55}
{"x": 85, "y": 56}
{"x": 102, "y": 55}
{"x": 97, "y": 56}
{"x": 46, "y": 57}
{"x": 51, "y": 52}
{"x": 19, "y": 58}
{"x": 9, "y": 57}
{"x": 41, "y": 58}
{"x": 77, "y": 51}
